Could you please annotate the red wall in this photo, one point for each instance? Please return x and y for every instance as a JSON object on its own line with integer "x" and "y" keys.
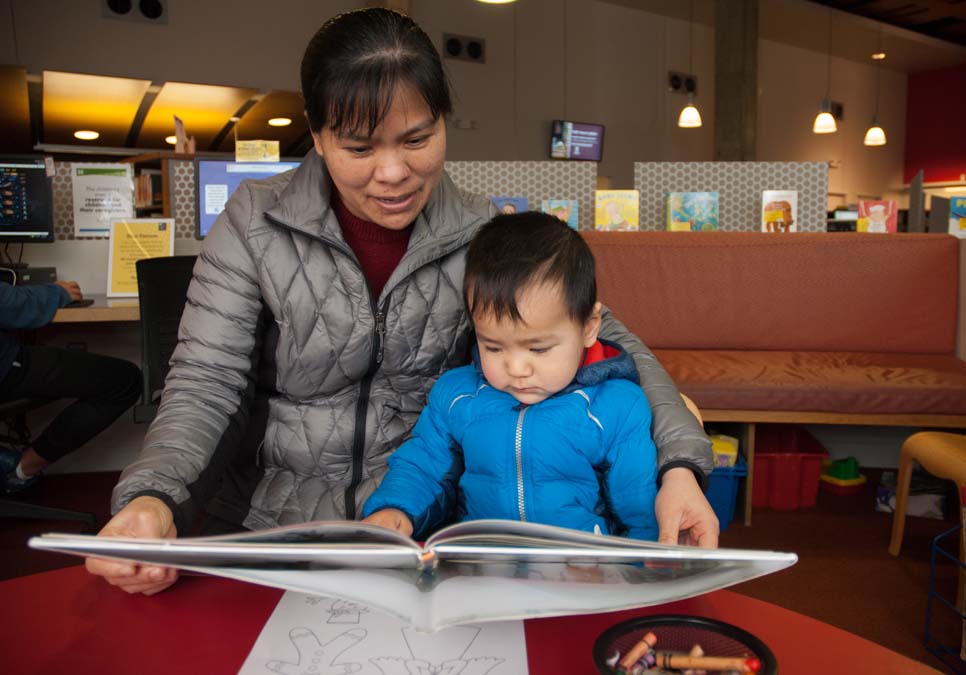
{"x": 936, "y": 125}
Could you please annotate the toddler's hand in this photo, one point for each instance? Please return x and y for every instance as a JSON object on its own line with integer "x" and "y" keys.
{"x": 391, "y": 519}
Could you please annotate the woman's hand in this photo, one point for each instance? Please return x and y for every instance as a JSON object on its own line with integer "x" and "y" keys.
{"x": 391, "y": 519}
{"x": 683, "y": 513}
{"x": 142, "y": 518}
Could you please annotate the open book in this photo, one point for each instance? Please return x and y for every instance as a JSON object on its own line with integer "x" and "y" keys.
{"x": 469, "y": 572}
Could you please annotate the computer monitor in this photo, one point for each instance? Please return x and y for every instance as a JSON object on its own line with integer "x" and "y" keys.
{"x": 26, "y": 197}
{"x": 216, "y": 180}
{"x": 576, "y": 140}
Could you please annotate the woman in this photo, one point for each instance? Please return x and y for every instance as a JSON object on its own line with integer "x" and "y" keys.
{"x": 357, "y": 257}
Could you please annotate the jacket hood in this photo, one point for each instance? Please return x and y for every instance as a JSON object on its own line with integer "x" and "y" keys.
{"x": 619, "y": 366}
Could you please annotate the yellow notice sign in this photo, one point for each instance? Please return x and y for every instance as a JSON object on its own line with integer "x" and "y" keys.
{"x": 133, "y": 240}
{"x": 256, "y": 151}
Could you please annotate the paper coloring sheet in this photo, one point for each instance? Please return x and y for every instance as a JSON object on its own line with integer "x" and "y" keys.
{"x": 315, "y": 635}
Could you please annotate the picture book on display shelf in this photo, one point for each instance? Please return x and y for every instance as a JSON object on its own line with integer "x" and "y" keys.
{"x": 692, "y": 211}
{"x": 877, "y": 216}
{"x": 564, "y": 209}
{"x": 481, "y": 570}
{"x": 510, "y": 204}
{"x": 779, "y": 211}
{"x": 957, "y": 216}
{"x": 617, "y": 210}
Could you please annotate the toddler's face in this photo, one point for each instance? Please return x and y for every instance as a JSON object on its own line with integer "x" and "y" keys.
{"x": 534, "y": 358}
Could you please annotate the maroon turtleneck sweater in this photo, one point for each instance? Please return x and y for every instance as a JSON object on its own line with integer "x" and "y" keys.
{"x": 378, "y": 249}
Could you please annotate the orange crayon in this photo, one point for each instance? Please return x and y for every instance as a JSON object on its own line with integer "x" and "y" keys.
{"x": 635, "y": 653}
{"x": 683, "y": 661}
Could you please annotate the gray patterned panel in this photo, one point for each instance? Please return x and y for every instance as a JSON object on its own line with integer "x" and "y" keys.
{"x": 181, "y": 177}
{"x": 63, "y": 203}
{"x": 534, "y": 180}
{"x": 739, "y": 185}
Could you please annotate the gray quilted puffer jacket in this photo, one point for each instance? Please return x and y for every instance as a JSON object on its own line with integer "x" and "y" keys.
{"x": 352, "y": 372}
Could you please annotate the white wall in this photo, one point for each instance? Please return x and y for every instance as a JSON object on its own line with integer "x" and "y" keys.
{"x": 791, "y": 85}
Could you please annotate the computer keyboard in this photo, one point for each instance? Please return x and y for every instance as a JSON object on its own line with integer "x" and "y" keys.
{"x": 84, "y": 302}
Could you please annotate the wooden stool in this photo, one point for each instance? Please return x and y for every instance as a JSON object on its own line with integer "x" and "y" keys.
{"x": 941, "y": 454}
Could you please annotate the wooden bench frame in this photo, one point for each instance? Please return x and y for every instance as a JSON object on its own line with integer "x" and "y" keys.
{"x": 748, "y": 419}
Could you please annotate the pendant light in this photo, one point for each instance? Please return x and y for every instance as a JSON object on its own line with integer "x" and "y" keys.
{"x": 824, "y": 122}
{"x": 875, "y": 135}
{"x": 690, "y": 118}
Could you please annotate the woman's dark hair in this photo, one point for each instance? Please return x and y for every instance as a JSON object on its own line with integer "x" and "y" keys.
{"x": 519, "y": 250}
{"x": 355, "y": 62}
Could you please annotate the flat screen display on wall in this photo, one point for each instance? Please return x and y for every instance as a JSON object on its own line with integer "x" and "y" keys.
{"x": 217, "y": 180}
{"x": 26, "y": 201}
{"x": 576, "y": 140}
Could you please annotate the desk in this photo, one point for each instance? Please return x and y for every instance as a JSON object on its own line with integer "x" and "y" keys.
{"x": 67, "y": 621}
{"x": 103, "y": 310}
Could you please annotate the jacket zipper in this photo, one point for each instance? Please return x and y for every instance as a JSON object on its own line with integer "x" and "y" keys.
{"x": 518, "y": 443}
{"x": 362, "y": 408}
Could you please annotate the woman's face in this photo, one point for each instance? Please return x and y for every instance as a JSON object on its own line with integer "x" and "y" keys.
{"x": 387, "y": 178}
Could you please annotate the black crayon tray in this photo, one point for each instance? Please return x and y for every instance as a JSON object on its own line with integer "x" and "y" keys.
{"x": 679, "y": 633}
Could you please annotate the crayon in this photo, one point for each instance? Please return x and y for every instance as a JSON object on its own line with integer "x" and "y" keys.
{"x": 683, "y": 661}
{"x": 635, "y": 653}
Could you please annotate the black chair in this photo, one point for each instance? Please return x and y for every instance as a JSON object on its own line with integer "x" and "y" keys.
{"x": 162, "y": 291}
{"x": 17, "y": 433}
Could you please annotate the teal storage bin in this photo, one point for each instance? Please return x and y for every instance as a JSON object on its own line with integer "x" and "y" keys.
{"x": 723, "y": 490}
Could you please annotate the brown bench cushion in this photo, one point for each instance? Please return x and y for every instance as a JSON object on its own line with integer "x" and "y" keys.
{"x": 842, "y": 382}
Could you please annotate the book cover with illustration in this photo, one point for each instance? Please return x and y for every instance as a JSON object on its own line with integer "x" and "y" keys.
{"x": 617, "y": 210}
{"x": 511, "y": 204}
{"x": 482, "y": 570}
{"x": 779, "y": 211}
{"x": 564, "y": 209}
{"x": 877, "y": 216}
{"x": 692, "y": 211}
{"x": 957, "y": 216}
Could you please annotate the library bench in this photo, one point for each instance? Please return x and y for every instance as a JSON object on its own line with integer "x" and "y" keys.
{"x": 802, "y": 328}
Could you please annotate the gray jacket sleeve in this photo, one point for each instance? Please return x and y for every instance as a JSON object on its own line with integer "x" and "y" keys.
{"x": 210, "y": 367}
{"x": 679, "y": 438}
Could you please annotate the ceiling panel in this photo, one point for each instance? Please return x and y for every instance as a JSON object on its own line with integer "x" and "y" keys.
{"x": 107, "y": 105}
{"x": 942, "y": 19}
{"x": 254, "y": 123}
{"x": 204, "y": 109}
{"x": 15, "y": 111}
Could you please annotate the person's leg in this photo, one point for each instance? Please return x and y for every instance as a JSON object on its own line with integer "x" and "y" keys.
{"x": 103, "y": 386}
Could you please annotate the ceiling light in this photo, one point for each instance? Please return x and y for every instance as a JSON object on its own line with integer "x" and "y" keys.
{"x": 824, "y": 122}
{"x": 874, "y": 136}
{"x": 86, "y": 135}
{"x": 171, "y": 140}
{"x": 878, "y": 56}
{"x": 496, "y": 2}
{"x": 279, "y": 122}
{"x": 689, "y": 118}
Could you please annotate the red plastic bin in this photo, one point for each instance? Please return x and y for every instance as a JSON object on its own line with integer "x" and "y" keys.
{"x": 788, "y": 463}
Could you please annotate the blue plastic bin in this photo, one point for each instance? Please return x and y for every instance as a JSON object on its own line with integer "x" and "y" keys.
{"x": 723, "y": 490}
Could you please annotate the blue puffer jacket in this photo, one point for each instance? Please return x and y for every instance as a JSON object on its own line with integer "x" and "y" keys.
{"x": 24, "y": 307}
{"x": 581, "y": 458}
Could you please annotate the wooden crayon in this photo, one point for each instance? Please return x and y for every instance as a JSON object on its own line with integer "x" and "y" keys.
{"x": 635, "y": 653}
{"x": 683, "y": 661}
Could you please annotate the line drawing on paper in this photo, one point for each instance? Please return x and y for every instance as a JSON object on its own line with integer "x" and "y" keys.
{"x": 427, "y": 658}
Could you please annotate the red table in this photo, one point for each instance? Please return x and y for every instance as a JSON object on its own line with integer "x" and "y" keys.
{"x": 67, "y": 622}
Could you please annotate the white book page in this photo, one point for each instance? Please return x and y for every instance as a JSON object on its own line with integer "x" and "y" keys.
{"x": 312, "y": 634}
